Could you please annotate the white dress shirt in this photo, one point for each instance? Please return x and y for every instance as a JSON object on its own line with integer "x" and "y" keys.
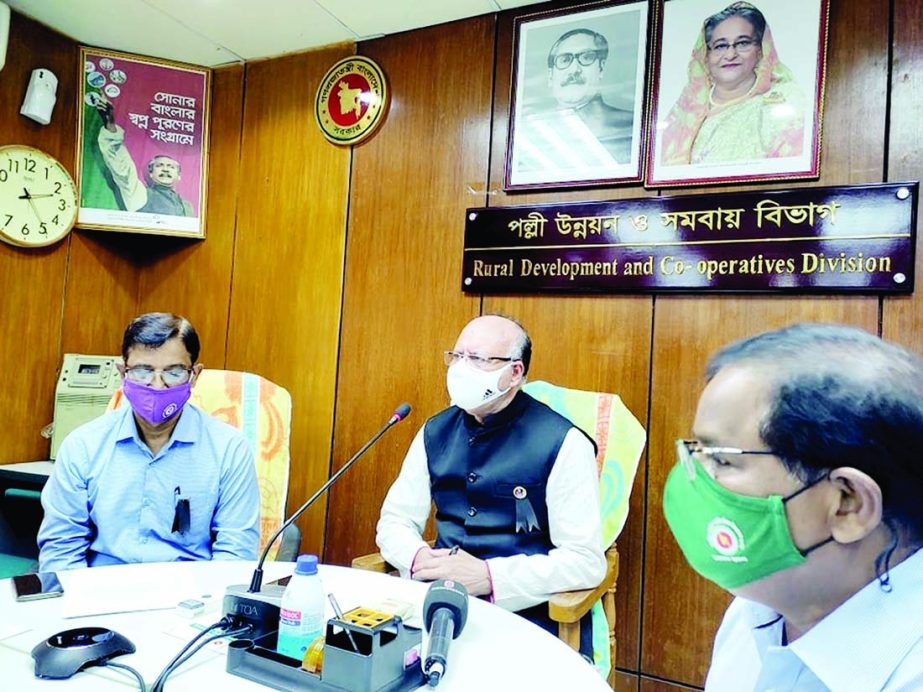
{"x": 871, "y": 643}
{"x": 576, "y": 562}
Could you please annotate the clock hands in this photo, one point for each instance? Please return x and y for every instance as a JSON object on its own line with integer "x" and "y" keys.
{"x": 29, "y": 197}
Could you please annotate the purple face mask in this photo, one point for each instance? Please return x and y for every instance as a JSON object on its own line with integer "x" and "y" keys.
{"x": 156, "y": 406}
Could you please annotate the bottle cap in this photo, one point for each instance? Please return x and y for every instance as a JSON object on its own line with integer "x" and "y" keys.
{"x": 306, "y": 565}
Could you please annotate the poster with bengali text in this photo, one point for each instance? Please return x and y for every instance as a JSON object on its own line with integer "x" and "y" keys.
{"x": 142, "y": 144}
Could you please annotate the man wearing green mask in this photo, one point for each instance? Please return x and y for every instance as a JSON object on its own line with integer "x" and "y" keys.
{"x": 802, "y": 494}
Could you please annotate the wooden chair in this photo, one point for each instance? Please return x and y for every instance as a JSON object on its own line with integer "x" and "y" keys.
{"x": 620, "y": 439}
{"x": 262, "y": 411}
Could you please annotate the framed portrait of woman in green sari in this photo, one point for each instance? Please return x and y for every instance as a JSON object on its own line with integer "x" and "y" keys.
{"x": 738, "y": 91}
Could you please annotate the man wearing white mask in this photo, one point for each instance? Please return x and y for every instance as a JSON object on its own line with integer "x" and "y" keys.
{"x": 514, "y": 484}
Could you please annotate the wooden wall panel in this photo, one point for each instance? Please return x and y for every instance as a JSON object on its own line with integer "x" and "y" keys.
{"x": 288, "y": 259}
{"x": 605, "y": 339}
{"x": 403, "y": 303}
{"x": 193, "y": 278}
{"x": 903, "y": 316}
{"x": 855, "y": 118}
{"x": 32, "y": 45}
{"x": 102, "y": 291}
{"x": 626, "y": 682}
{"x": 269, "y": 286}
{"x": 32, "y": 295}
{"x": 30, "y": 343}
{"x": 598, "y": 344}
{"x": 652, "y": 685}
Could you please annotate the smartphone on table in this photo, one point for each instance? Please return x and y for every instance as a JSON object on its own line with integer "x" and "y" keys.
{"x": 31, "y": 587}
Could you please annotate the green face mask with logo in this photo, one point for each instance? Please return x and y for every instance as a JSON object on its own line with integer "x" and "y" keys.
{"x": 728, "y": 538}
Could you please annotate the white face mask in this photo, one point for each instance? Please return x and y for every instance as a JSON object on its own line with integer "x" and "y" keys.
{"x": 470, "y": 388}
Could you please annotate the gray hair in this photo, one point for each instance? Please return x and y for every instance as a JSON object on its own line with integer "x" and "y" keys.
{"x": 150, "y": 164}
{"x": 522, "y": 347}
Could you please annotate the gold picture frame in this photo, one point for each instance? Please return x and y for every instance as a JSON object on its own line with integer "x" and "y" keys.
{"x": 767, "y": 127}
{"x": 142, "y": 144}
{"x": 578, "y": 124}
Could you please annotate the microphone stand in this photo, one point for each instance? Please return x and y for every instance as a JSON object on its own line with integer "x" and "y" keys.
{"x": 256, "y": 582}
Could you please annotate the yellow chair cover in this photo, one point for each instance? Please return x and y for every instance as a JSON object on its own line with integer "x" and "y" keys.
{"x": 620, "y": 439}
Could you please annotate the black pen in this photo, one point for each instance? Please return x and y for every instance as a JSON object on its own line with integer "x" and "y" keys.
{"x": 453, "y": 550}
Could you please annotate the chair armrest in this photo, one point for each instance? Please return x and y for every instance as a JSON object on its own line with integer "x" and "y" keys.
{"x": 570, "y": 606}
{"x": 373, "y": 562}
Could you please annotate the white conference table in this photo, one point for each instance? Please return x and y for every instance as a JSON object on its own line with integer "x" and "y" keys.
{"x": 496, "y": 651}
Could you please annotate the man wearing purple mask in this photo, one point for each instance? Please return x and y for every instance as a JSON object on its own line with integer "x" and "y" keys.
{"x": 155, "y": 481}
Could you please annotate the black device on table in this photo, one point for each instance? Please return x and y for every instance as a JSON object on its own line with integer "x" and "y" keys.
{"x": 31, "y": 587}
{"x": 65, "y": 653}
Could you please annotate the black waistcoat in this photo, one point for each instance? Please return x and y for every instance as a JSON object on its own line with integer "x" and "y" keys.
{"x": 477, "y": 471}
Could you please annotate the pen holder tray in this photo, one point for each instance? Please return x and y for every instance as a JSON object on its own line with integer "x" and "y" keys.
{"x": 387, "y": 660}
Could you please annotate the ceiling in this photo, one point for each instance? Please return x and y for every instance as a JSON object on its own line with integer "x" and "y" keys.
{"x": 216, "y": 32}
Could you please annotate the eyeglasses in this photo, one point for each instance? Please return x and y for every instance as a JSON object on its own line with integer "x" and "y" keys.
{"x": 171, "y": 376}
{"x": 688, "y": 450}
{"x": 586, "y": 58}
{"x": 742, "y": 46}
{"x": 476, "y": 361}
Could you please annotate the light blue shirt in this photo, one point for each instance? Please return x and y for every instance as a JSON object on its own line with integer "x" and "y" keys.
{"x": 871, "y": 643}
{"x": 110, "y": 500}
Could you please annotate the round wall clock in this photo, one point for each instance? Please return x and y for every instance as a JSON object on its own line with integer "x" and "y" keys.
{"x": 38, "y": 198}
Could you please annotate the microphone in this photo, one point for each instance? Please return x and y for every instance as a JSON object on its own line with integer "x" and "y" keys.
{"x": 445, "y": 611}
{"x": 400, "y": 413}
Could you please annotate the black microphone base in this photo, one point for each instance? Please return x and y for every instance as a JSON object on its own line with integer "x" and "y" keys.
{"x": 259, "y": 610}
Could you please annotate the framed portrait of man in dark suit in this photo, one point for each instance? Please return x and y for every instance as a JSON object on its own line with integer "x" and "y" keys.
{"x": 577, "y": 97}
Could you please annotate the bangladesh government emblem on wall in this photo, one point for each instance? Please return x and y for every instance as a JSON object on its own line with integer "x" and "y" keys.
{"x": 351, "y": 101}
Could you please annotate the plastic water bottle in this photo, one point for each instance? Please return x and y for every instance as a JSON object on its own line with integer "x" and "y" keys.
{"x": 301, "y": 620}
